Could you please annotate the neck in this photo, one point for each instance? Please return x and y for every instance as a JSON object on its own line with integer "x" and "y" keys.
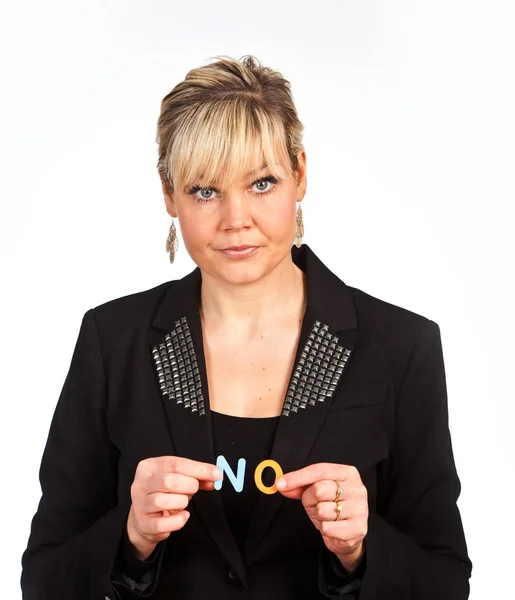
{"x": 250, "y": 307}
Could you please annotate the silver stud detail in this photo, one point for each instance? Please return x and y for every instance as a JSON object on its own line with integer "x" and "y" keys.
{"x": 317, "y": 372}
{"x": 177, "y": 368}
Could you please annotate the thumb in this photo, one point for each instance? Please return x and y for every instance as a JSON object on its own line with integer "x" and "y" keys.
{"x": 206, "y": 485}
{"x": 295, "y": 493}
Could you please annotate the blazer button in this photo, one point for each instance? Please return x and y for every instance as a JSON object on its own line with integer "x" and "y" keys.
{"x": 233, "y": 578}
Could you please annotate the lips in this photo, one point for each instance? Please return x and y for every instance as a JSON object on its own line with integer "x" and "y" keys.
{"x": 239, "y": 251}
{"x": 237, "y": 248}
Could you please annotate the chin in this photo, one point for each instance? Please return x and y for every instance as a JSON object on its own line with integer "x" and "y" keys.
{"x": 241, "y": 273}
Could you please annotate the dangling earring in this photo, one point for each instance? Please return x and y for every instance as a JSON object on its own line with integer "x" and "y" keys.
{"x": 299, "y": 232}
{"x": 172, "y": 243}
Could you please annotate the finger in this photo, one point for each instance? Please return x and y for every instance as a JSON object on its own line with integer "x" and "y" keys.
{"x": 322, "y": 491}
{"x": 185, "y": 466}
{"x": 169, "y": 482}
{"x": 327, "y": 511}
{"x": 156, "y": 525}
{"x": 179, "y": 484}
{"x": 162, "y": 501}
{"x": 193, "y": 468}
{"x": 295, "y": 493}
{"x": 313, "y": 473}
{"x": 206, "y": 485}
{"x": 347, "y": 532}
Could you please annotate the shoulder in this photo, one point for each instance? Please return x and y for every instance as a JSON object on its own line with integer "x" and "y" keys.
{"x": 127, "y": 315}
{"x": 372, "y": 310}
{"x": 390, "y": 325}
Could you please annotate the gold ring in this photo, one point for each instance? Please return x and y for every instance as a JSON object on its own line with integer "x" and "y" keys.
{"x": 338, "y": 491}
{"x": 338, "y": 510}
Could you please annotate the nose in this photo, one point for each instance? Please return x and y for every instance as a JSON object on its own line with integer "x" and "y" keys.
{"x": 236, "y": 211}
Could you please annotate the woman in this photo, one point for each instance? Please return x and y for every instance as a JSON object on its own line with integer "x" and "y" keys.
{"x": 154, "y": 477}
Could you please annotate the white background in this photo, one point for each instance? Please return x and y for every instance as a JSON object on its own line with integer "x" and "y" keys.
{"x": 409, "y": 134}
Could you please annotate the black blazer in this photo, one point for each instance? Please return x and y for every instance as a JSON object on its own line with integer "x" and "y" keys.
{"x": 367, "y": 389}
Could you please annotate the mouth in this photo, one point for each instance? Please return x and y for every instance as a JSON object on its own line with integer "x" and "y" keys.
{"x": 239, "y": 251}
{"x": 237, "y": 248}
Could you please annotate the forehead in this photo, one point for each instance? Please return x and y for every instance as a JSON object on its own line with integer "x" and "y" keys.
{"x": 230, "y": 173}
{"x": 251, "y": 169}
{"x": 224, "y": 157}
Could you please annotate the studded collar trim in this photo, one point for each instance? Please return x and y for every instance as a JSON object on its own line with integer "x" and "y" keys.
{"x": 317, "y": 370}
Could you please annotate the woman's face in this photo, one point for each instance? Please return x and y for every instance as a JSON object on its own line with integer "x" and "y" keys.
{"x": 259, "y": 212}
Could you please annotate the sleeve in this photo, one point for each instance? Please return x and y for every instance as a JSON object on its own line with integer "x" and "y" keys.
{"x": 334, "y": 579}
{"x": 137, "y": 575}
{"x": 80, "y": 519}
{"x": 416, "y": 548}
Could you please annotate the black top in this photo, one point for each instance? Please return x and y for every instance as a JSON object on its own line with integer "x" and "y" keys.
{"x": 249, "y": 438}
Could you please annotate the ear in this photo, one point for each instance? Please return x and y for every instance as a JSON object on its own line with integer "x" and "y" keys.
{"x": 169, "y": 198}
{"x": 301, "y": 175}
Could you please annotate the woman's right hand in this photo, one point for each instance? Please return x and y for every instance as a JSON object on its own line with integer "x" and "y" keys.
{"x": 160, "y": 492}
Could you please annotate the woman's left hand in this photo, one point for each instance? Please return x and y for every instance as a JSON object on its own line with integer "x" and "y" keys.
{"x": 316, "y": 486}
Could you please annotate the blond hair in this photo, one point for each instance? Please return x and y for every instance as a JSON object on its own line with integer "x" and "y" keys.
{"x": 212, "y": 124}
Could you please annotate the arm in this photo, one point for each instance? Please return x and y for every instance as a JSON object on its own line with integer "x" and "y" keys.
{"x": 134, "y": 574}
{"x": 79, "y": 522}
{"x": 334, "y": 579}
{"x": 416, "y": 547}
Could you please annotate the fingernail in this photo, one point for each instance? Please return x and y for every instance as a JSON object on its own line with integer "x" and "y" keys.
{"x": 217, "y": 473}
{"x": 281, "y": 483}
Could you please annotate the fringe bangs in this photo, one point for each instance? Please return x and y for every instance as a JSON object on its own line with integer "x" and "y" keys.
{"x": 221, "y": 141}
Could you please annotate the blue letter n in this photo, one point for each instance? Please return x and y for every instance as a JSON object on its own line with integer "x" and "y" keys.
{"x": 236, "y": 480}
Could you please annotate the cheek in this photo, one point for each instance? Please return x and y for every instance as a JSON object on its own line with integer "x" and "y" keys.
{"x": 195, "y": 231}
{"x": 278, "y": 214}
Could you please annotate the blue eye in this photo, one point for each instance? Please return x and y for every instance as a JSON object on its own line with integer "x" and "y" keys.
{"x": 202, "y": 200}
{"x": 196, "y": 189}
{"x": 269, "y": 180}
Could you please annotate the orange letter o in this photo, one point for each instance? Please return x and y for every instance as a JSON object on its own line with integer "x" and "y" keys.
{"x": 259, "y": 472}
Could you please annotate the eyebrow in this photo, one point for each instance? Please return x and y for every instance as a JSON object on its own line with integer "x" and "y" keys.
{"x": 256, "y": 171}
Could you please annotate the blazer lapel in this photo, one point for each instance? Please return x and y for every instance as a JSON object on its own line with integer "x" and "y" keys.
{"x": 323, "y": 353}
{"x": 181, "y": 373}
